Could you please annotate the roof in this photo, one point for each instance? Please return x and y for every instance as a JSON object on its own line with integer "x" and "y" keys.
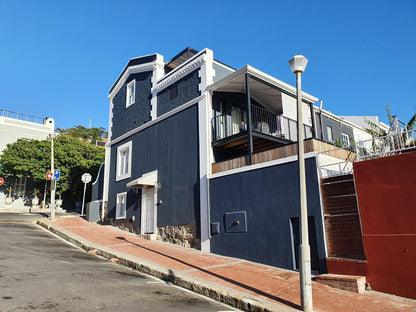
{"x": 263, "y": 87}
{"x": 132, "y": 62}
{"x": 179, "y": 59}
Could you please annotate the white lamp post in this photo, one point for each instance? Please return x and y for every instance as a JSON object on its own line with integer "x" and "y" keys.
{"x": 53, "y": 182}
{"x": 298, "y": 65}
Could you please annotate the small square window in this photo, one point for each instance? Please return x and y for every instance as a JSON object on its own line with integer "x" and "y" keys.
{"x": 173, "y": 92}
{"x": 131, "y": 92}
{"x": 345, "y": 139}
{"x": 121, "y": 205}
{"x": 123, "y": 169}
{"x": 329, "y": 134}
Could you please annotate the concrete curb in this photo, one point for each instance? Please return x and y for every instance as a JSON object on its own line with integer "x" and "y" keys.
{"x": 225, "y": 295}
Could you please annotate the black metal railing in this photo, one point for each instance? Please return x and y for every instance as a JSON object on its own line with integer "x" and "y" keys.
{"x": 263, "y": 121}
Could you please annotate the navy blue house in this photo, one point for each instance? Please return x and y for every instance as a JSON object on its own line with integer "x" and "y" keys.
{"x": 194, "y": 157}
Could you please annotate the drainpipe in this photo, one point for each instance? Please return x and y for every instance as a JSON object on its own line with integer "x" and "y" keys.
{"x": 209, "y": 208}
{"x": 313, "y": 121}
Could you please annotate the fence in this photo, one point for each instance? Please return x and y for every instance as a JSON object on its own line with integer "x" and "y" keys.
{"x": 391, "y": 144}
{"x": 25, "y": 117}
{"x": 263, "y": 121}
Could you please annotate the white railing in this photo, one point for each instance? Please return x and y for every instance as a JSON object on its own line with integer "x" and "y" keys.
{"x": 391, "y": 144}
{"x": 336, "y": 162}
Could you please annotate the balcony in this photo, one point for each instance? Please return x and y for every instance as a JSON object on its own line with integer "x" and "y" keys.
{"x": 269, "y": 130}
{"x": 248, "y": 115}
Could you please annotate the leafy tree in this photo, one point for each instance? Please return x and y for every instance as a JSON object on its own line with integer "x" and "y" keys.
{"x": 81, "y": 132}
{"x": 72, "y": 157}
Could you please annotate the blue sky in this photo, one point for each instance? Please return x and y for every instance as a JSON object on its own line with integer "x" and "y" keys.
{"x": 59, "y": 58}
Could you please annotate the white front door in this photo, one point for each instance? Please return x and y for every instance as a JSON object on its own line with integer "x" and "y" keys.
{"x": 148, "y": 211}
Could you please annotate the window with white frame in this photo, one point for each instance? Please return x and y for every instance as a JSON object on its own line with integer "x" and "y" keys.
{"x": 329, "y": 134}
{"x": 123, "y": 169}
{"x": 345, "y": 139}
{"x": 121, "y": 205}
{"x": 131, "y": 91}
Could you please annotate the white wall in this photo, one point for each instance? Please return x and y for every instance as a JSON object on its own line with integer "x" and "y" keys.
{"x": 289, "y": 105}
{"x": 12, "y": 129}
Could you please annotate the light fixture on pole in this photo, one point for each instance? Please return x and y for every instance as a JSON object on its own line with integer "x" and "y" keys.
{"x": 53, "y": 182}
{"x": 298, "y": 64}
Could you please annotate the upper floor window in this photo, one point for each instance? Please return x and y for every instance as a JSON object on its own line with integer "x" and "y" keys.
{"x": 173, "y": 92}
{"x": 345, "y": 139}
{"x": 131, "y": 91}
{"x": 329, "y": 134}
{"x": 123, "y": 161}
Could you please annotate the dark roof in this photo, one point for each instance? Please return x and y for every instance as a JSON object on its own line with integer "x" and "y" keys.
{"x": 133, "y": 62}
{"x": 179, "y": 59}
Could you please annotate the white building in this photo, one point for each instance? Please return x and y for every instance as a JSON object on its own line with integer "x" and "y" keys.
{"x": 14, "y": 126}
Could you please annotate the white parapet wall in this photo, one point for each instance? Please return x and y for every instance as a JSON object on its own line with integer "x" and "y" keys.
{"x": 12, "y": 129}
{"x": 330, "y": 166}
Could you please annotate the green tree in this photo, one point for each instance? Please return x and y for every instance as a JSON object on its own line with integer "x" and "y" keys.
{"x": 81, "y": 132}
{"x": 72, "y": 157}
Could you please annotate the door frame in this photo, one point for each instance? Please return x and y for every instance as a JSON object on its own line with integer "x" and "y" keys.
{"x": 144, "y": 210}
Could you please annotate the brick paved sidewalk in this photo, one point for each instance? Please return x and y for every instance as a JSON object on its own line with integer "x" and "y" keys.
{"x": 245, "y": 285}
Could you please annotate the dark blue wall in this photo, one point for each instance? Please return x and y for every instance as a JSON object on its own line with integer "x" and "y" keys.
{"x": 270, "y": 198}
{"x": 126, "y": 119}
{"x": 171, "y": 147}
{"x": 187, "y": 88}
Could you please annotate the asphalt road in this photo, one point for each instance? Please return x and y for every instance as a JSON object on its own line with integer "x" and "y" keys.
{"x": 40, "y": 272}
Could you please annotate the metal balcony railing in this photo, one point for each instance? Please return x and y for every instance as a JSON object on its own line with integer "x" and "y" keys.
{"x": 25, "y": 117}
{"x": 391, "y": 144}
{"x": 263, "y": 121}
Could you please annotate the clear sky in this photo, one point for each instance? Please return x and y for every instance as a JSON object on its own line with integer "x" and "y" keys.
{"x": 59, "y": 58}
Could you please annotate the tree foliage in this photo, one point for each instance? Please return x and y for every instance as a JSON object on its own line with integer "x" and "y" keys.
{"x": 81, "y": 132}
{"x": 72, "y": 157}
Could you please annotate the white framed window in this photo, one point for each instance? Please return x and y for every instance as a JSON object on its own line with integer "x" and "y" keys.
{"x": 131, "y": 93}
{"x": 123, "y": 169}
{"x": 345, "y": 139}
{"x": 329, "y": 134}
{"x": 121, "y": 205}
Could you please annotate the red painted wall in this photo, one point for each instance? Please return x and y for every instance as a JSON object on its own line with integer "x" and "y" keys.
{"x": 386, "y": 191}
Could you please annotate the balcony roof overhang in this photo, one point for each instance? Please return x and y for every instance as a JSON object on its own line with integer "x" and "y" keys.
{"x": 263, "y": 87}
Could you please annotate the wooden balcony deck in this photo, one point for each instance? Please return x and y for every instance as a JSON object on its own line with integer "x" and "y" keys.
{"x": 311, "y": 145}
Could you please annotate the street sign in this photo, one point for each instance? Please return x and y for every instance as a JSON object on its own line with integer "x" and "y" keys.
{"x": 86, "y": 178}
{"x": 1, "y": 181}
{"x": 56, "y": 174}
{"x": 49, "y": 176}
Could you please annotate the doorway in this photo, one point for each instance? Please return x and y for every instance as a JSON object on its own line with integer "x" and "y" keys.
{"x": 148, "y": 222}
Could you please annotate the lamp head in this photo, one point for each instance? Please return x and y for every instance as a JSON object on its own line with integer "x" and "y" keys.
{"x": 298, "y": 63}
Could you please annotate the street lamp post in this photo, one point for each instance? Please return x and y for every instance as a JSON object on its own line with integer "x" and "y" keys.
{"x": 298, "y": 65}
{"x": 53, "y": 182}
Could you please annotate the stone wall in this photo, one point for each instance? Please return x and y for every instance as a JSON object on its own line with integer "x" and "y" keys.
{"x": 182, "y": 235}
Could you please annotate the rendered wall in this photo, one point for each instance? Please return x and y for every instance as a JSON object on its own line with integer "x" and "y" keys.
{"x": 386, "y": 191}
{"x": 126, "y": 119}
{"x": 171, "y": 147}
{"x": 187, "y": 89}
{"x": 270, "y": 198}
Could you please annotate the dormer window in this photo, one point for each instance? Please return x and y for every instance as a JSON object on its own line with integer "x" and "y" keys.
{"x": 131, "y": 91}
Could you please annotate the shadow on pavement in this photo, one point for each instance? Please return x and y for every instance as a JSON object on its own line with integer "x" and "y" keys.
{"x": 250, "y": 288}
